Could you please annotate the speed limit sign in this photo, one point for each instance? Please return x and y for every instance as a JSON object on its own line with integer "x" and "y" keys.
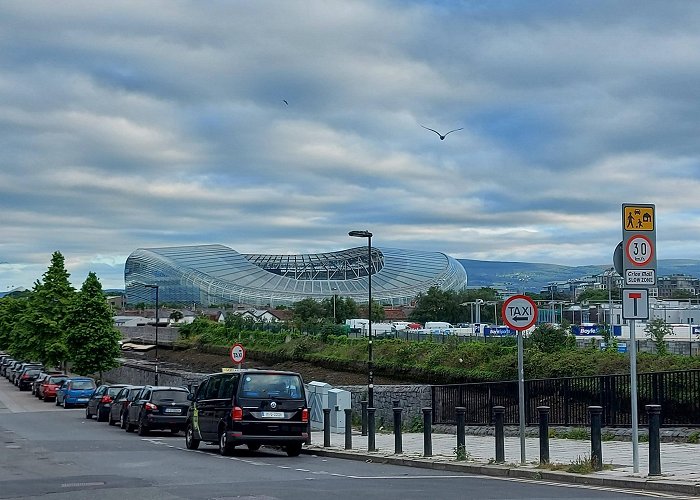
{"x": 237, "y": 353}
{"x": 639, "y": 250}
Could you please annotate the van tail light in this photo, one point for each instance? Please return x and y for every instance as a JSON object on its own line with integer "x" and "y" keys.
{"x": 237, "y": 413}
{"x": 305, "y": 415}
{"x": 106, "y": 399}
{"x": 150, "y": 407}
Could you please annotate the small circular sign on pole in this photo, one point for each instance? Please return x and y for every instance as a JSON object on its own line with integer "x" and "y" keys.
{"x": 237, "y": 353}
{"x": 519, "y": 312}
{"x": 639, "y": 250}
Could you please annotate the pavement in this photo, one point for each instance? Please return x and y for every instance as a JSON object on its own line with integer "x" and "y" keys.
{"x": 680, "y": 473}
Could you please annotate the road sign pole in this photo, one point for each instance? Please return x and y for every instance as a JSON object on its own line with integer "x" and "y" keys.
{"x": 521, "y": 396}
{"x": 633, "y": 396}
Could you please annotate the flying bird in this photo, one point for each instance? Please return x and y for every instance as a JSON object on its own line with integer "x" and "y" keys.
{"x": 285, "y": 101}
{"x": 442, "y": 137}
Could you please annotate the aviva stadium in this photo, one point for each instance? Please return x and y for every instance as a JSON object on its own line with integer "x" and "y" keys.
{"x": 216, "y": 274}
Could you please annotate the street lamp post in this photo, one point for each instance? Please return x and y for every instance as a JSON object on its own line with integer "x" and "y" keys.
{"x": 370, "y": 361}
{"x": 157, "y": 321}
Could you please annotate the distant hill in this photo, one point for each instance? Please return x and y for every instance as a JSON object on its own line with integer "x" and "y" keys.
{"x": 532, "y": 277}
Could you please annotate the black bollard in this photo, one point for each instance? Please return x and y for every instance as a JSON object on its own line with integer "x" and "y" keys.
{"x": 461, "y": 412}
{"x": 498, "y": 415}
{"x": 544, "y": 434}
{"x": 348, "y": 428}
{"x": 596, "y": 438}
{"x": 654, "y": 412}
{"x": 364, "y": 417}
{"x": 370, "y": 430}
{"x": 398, "y": 441}
{"x": 427, "y": 432}
{"x": 326, "y": 427}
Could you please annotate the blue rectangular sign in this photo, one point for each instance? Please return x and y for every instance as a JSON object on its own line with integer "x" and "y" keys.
{"x": 498, "y": 331}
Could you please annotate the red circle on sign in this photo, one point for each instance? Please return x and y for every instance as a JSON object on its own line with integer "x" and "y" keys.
{"x": 237, "y": 353}
{"x": 507, "y": 319}
{"x": 647, "y": 255}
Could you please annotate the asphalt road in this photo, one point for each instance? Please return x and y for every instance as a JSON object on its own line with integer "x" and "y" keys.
{"x": 51, "y": 453}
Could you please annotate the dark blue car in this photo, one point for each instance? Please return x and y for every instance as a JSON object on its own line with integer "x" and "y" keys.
{"x": 75, "y": 391}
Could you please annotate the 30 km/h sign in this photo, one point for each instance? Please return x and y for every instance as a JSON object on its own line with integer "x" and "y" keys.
{"x": 519, "y": 312}
{"x": 237, "y": 353}
{"x": 639, "y": 250}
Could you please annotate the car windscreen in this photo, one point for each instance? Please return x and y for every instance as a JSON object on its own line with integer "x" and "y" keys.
{"x": 56, "y": 380}
{"x": 169, "y": 396}
{"x": 32, "y": 373}
{"x": 113, "y": 391}
{"x": 272, "y": 385}
{"x": 83, "y": 384}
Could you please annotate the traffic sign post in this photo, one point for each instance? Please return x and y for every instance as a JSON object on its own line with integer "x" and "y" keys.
{"x": 639, "y": 273}
{"x": 520, "y": 313}
{"x": 237, "y": 354}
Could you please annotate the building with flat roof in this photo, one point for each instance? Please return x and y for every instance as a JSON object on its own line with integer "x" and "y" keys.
{"x": 216, "y": 274}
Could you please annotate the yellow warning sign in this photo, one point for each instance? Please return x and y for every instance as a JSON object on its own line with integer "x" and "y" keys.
{"x": 638, "y": 218}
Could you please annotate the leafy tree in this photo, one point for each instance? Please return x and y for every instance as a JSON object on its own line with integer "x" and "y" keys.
{"x": 550, "y": 338}
{"x": 657, "y": 330}
{"x": 308, "y": 309}
{"x": 91, "y": 337}
{"x": 41, "y": 330}
{"x": 378, "y": 313}
{"x": 609, "y": 339}
{"x": 12, "y": 310}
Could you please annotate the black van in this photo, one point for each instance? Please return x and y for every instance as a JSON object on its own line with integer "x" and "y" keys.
{"x": 251, "y": 407}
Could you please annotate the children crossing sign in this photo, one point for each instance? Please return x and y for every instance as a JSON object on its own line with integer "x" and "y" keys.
{"x": 639, "y": 244}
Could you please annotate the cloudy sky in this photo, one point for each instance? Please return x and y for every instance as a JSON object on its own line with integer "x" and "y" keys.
{"x": 137, "y": 124}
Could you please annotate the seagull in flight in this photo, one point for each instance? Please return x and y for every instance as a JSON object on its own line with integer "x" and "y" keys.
{"x": 285, "y": 101}
{"x": 442, "y": 137}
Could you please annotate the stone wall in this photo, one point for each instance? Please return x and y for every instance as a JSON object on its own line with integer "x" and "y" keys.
{"x": 143, "y": 373}
{"x": 412, "y": 398}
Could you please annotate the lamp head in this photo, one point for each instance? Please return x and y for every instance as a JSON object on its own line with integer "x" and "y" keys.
{"x": 360, "y": 234}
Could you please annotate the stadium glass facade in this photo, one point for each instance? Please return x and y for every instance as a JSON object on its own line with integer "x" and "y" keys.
{"x": 216, "y": 274}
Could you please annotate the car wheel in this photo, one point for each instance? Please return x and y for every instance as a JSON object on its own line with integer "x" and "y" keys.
{"x": 87, "y": 413}
{"x": 110, "y": 420}
{"x": 174, "y": 430}
{"x": 293, "y": 449}
{"x": 253, "y": 446}
{"x": 191, "y": 442}
{"x": 100, "y": 414}
{"x": 57, "y": 403}
{"x": 129, "y": 426}
{"x": 143, "y": 430}
{"x": 122, "y": 421}
{"x": 225, "y": 448}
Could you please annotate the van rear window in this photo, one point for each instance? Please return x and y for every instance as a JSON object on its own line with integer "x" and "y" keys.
{"x": 271, "y": 385}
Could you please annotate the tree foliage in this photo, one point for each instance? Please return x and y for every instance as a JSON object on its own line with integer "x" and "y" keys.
{"x": 91, "y": 337}
{"x": 551, "y": 338}
{"x": 456, "y": 306}
{"x": 657, "y": 330}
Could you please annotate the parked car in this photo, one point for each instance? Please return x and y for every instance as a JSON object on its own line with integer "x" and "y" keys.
{"x": 27, "y": 377}
{"x": 11, "y": 370}
{"x": 101, "y": 401}
{"x": 120, "y": 404}
{"x": 251, "y": 407}
{"x": 75, "y": 391}
{"x": 158, "y": 407}
{"x": 5, "y": 365}
{"x": 19, "y": 371}
{"x": 50, "y": 385}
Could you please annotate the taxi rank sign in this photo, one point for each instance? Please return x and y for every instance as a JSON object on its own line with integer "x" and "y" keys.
{"x": 639, "y": 245}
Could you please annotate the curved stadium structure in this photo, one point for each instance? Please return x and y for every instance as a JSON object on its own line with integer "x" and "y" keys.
{"x": 216, "y": 274}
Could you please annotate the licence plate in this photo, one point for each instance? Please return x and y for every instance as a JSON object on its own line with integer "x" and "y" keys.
{"x": 82, "y": 400}
{"x": 173, "y": 410}
{"x": 273, "y": 414}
